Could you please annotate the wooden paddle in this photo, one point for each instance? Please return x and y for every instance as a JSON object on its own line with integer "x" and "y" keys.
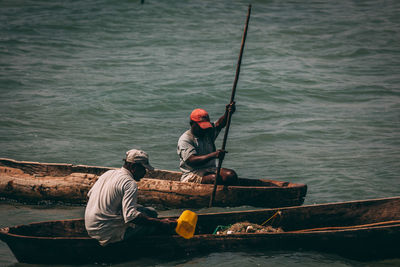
{"x": 229, "y": 113}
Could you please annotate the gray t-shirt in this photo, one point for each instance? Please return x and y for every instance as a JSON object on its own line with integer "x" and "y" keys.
{"x": 111, "y": 206}
{"x": 189, "y": 145}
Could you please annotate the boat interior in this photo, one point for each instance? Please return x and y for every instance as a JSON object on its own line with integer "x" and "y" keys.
{"x": 322, "y": 217}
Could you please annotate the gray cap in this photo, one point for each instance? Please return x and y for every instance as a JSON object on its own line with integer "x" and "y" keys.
{"x": 138, "y": 156}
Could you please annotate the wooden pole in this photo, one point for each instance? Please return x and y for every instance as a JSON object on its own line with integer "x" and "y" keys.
{"x": 229, "y": 113}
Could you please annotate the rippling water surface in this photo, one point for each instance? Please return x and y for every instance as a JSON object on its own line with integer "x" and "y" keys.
{"x": 318, "y": 99}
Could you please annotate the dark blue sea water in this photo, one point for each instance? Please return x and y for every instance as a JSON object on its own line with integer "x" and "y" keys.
{"x": 318, "y": 98}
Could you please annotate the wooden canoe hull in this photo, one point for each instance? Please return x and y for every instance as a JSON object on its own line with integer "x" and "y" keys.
{"x": 34, "y": 181}
{"x": 368, "y": 229}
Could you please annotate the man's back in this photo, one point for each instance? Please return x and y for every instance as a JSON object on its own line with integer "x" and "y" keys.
{"x": 111, "y": 205}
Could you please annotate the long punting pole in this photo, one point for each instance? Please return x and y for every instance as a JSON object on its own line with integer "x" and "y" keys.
{"x": 232, "y": 99}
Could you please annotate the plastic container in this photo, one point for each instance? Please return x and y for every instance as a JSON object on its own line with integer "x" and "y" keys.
{"x": 186, "y": 224}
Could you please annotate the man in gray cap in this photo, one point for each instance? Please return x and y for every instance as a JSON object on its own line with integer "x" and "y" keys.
{"x": 112, "y": 213}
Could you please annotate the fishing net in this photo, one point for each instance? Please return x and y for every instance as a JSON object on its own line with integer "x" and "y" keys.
{"x": 246, "y": 227}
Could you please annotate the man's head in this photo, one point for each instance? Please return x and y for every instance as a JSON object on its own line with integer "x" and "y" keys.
{"x": 137, "y": 161}
{"x": 201, "y": 117}
{"x": 200, "y": 121}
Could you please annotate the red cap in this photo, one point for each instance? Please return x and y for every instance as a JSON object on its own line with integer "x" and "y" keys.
{"x": 200, "y": 116}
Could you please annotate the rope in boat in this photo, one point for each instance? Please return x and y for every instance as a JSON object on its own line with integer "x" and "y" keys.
{"x": 346, "y": 227}
{"x": 273, "y": 216}
{"x": 221, "y": 227}
{"x": 386, "y": 223}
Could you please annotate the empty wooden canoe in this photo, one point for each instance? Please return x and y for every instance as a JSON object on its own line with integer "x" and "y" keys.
{"x": 367, "y": 229}
{"x": 34, "y": 181}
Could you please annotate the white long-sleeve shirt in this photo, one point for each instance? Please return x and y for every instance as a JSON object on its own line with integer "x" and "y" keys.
{"x": 111, "y": 206}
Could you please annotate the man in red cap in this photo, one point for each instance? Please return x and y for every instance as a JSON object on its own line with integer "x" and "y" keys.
{"x": 197, "y": 152}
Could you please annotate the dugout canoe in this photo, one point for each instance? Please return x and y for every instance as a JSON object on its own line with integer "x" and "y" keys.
{"x": 35, "y": 182}
{"x": 363, "y": 230}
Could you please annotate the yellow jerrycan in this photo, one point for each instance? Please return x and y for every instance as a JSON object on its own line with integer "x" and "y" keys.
{"x": 186, "y": 224}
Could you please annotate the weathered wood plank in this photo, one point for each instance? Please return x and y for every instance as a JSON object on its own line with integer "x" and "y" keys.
{"x": 35, "y": 181}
